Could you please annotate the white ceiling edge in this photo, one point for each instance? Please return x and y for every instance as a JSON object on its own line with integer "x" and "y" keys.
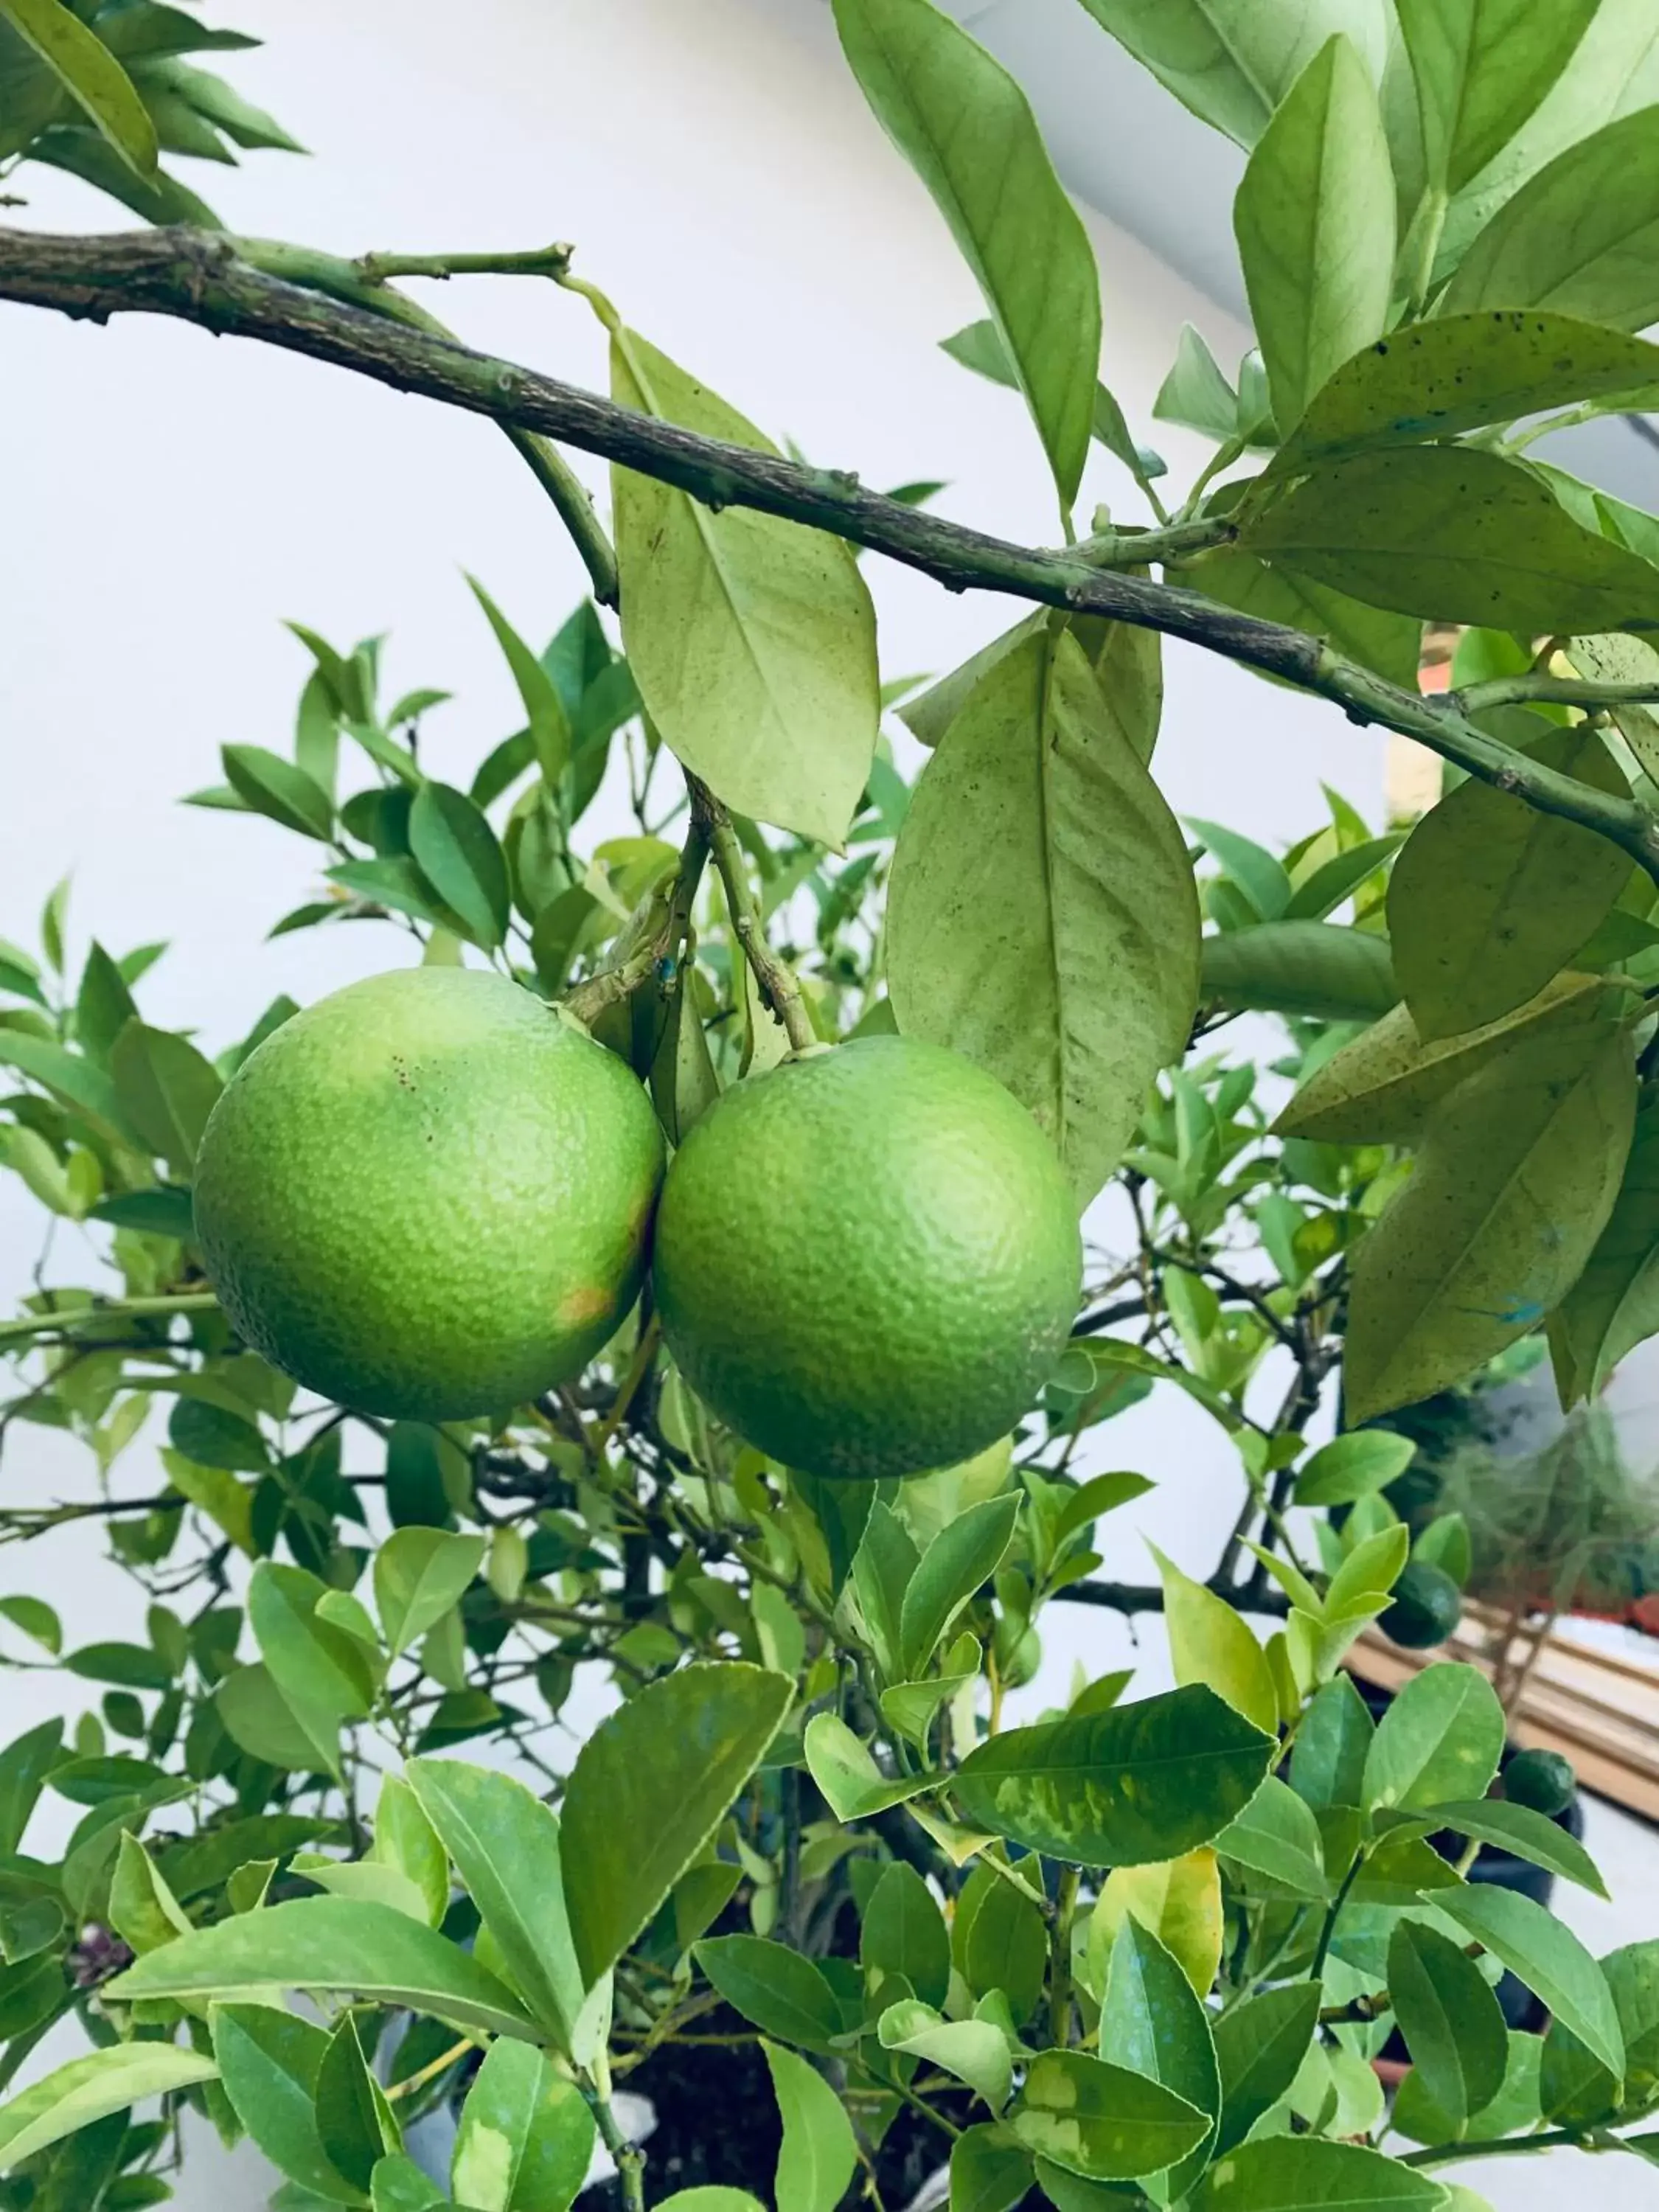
{"x": 1131, "y": 150}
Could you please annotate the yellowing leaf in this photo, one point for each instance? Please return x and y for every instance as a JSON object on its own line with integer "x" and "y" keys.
{"x": 1209, "y": 1641}
{"x": 1179, "y": 1900}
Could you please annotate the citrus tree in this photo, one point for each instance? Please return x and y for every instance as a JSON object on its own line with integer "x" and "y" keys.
{"x": 788, "y": 1445}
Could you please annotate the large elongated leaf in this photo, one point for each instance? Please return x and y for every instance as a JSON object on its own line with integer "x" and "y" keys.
{"x": 456, "y": 850}
{"x": 1615, "y": 1304}
{"x": 1209, "y": 1641}
{"x": 1544, "y": 1954}
{"x": 1122, "y": 1787}
{"x": 1314, "y": 968}
{"x": 1260, "y": 2046}
{"x": 24, "y": 1765}
{"x": 1233, "y": 61}
{"x": 1440, "y": 1739}
{"x": 1489, "y": 899}
{"x": 1516, "y": 1176}
{"x": 1178, "y": 1901}
{"x": 1449, "y": 2017}
{"x": 1455, "y": 535}
{"x": 966, "y": 129}
{"x": 167, "y": 1089}
{"x": 91, "y": 75}
{"x": 525, "y": 2137}
{"x": 1432, "y": 379}
{"x": 1315, "y": 218}
{"x": 419, "y": 1573}
{"x": 783, "y": 1992}
{"x": 1078, "y": 980}
{"x": 904, "y": 1933}
{"x": 87, "y": 2088}
{"x": 506, "y": 1845}
{"x": 322, "y": 1672}
{"x": 1578, "y": 238}
{"x": 752, "y": 641}
{"x": 1299, "y": 2174}
{"x": 1381, "y": 1089}
{"x": 1576, "y": 2087}
{"x": 269, "y": 2062}
{"x": 819, "y": 2151}
{"x": 328, "y": 1943}
{"x": 659, "y": 1774}
{"x": 1153, "y": 2022}
{"x": 965, "y": 1553}
{"x": 1103, "y": 2121}
{"x": 1482, "y": 67}
{"x": 1526, "y": 1835}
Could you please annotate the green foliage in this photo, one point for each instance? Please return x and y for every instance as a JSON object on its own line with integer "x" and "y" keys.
{"x": 1135, "y": 1948}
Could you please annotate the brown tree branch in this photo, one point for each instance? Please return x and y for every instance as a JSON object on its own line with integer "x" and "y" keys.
{"x": 206, "y": 278}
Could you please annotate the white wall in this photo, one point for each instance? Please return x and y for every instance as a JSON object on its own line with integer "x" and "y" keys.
{"x": 168, "y": 499}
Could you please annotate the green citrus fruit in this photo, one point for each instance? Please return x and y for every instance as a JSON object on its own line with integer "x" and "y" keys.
{"x": 867, "y": 1260}
{"x": 427, "y": 1195}
{"x": 1427, "y": 1607}
{"x": 1542, "y": 1781}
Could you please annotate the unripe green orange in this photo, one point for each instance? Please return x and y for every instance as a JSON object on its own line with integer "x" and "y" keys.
{"x": 867, "y": 1260}
{"x": 427, "y": 1195}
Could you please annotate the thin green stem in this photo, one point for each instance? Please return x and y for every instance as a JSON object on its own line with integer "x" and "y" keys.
{"x": 1541, "y": 688}
{"x": 551, "y": 261}
{"x": 630, "y": 2161}
{"x": 1508, "y": 2147}
{"x": 1328, "y": 1933}
{"x": 1135, "y": 549}
{"x": 1060, "y": 1959}
{"x": 778, "y": 985}
{"x": 71, "y": 1318}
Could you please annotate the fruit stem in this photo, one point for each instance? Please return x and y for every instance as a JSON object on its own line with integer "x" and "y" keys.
{"x": 779, "y": 985}
{"x": 73, "y": 1318}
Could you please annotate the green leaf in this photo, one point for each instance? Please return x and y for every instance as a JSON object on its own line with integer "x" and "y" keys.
{"x": 419, "y": 1573}
{"x": 1251, "y": 868}
{"x": 210, "y": 1435}
{"x": 1260, "y": 2046}
{"x": 1450, "y": 2018}
{"x": 1296, "y": 2173}
{"x": 852, "y": 1784}
{"x": 90, "y": 2088}
{"x": 1314, "y": 968}
{"x": 1577, "y": 238}
{"x": 167, "y": 1090}
{"x": 989, "y": 2171}
{"x": 1615, "y": 1304}
{"x": 142, "y": 1911}
{"x": 1139, "y": 1782}
{"x": 1575, "y": 2088}
{"x": 968, "y": 132}
{"x": 396, "y": 883}
{"x": 1353, "y": 1467}
{"x": 998, "y": 1942}
{"x": 904, "y": 1934}
{"x": 525, "y": 2137}
{"x": 1458, "y": 535}
{"x": 509, "y": 1851}
{"x": 256, "y": 1716}
{"x": 323, "y": 1675}
{"x": 354, "y": 2120}
{"x": 132, "y": 1666}
{"x": 1390, "y": 643}
{"x": 103, "y": 1005}
{"x": 1491, "y": 898}
{"x": 752, "y": 641}
{"x": 91, "y": 75}
{"x": 1153, "y": 2022}
{"x": 1102, "y": 2121}
{"x": 1209, "y": 1641}
{"x": 1544, "y": 1954}
{"x": 1340, "y": 878}
{"x": 549, "y": 725}
{"x": 975, "y": 2051}
{"x": 406, "y": 1844}
{"x": 36, "y": 1618}
{"x": 1232, "y": 62}
{"x": 782, "y": 1992}
{"x": 1195, "y": 393}
{"x": 1480, "y": 71}
{"x": 1381, "y": 1088}
{"x": 1440, "y": 1739}
{"x": 1456, "y": 1268}
{"x": 712, "y": 2199}
{"x": 1077, "y": 982}
{"x": 1277, "y": 1836}
{"x": 1525, "y": 1835}
{"x": 331, "y": 1943}
{"x": 269, "y": 2062}
{"x": 456, "y": 850}
{"x": 819, "y": 2151}
{"x": 398, "y": 2184}
{"x": 662, "y": 1772}
{"x": 963, "y": 1555}
{"x": 1462, "y": 373}
{"x": 1327, "y": 1764}
{"x": 275, "y": 788}
{"x": 1315, "y": 219}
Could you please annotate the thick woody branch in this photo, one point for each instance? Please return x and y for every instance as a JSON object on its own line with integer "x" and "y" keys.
{"x": 201, "y": 278}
